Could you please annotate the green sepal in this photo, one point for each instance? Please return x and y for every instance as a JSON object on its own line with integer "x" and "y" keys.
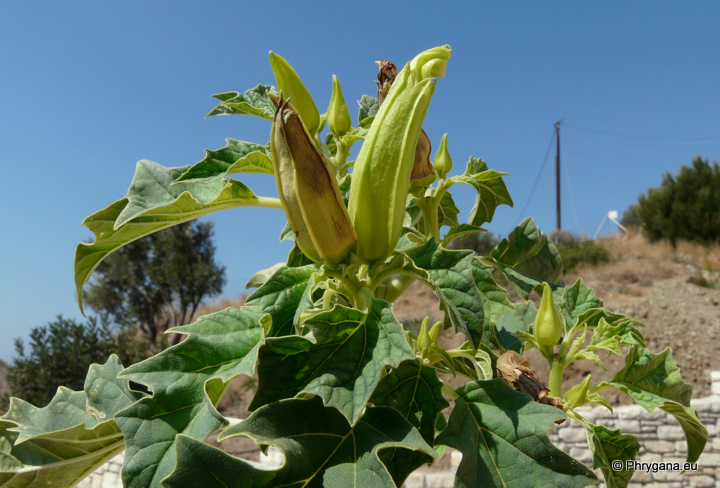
{"x": 291, "y": 87}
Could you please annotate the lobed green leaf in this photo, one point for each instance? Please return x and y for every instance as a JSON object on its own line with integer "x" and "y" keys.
{"x": 490, "y": 187}
{"x": 253, "y": 102}
{"x": 281, "y": 295}
{"x": 154, "y": 203}
{"x": 60, "y": 444}
{"x": 187, "y": 381}
{"x": 415, "y": 391}
{"x": 368, "y": 108}
{"x": 344, "y": 369}
{"x": 527, "y": 257}
{"x": 199, "y": 464}
{"x": 322, "y": 449}
{"x": 502, "y": 435}
{"x": 468, "y": 295}
{"x": 235, "y": 157}
{"x": 608, "y": 446}
{"x": 653, "y": 381}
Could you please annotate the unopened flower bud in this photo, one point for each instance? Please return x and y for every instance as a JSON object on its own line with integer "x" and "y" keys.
{"x": 443, "y": 161}
{"x": 548, "y": 328}
{"x": 338, "y": 114}
{"x": 381, "y": 176}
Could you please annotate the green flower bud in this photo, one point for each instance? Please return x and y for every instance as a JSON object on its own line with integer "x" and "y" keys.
{"x": 443, "y": 161}
{"x": 381, "y": 176}
{"x": 548, "y": 328}
{"x": 338, "y": 114}
{"x": 423, "y": 340}
{"x": 292, "y": 88}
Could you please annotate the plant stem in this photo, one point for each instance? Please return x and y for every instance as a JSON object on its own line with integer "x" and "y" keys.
{"x": 557, "y": 368}
{"x": 267, "y": 202}
{"x": 428, "y": 206}
{"x": 343, "y": 149}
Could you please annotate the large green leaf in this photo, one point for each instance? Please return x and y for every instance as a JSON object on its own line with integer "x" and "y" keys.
{"x": 463, "y": 285}
{"x": 502, "y": 435}
{"x": 73, "y": 435}
{"x": 415, "y": 391}
{"x": 490, "y": 187}
{"x": 154, "y": 203}
{"x": 344, "y": 369}
{"x": 187, "y": 382}
{"x": 235, "y": 157}
{"x": 320, "y": 447}
{"x": 209, "y": 467}
{"x": 253, "y": 102}
{"x": 528, "y": 257}
{"x": 653, "y": 381}
{"x": 608, "y": 446}
{"x": 280, "y": 296}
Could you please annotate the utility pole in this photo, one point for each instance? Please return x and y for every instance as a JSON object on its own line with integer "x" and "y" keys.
{"x": 557, "y": 174}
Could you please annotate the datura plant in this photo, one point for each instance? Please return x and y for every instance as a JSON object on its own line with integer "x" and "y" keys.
{"x": 345, "y": 391}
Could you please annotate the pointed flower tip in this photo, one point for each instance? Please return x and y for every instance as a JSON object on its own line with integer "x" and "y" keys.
{"x": 548, "y": 328}
{"x": 338, "y": 114}
{"x": 443, "y": 161}
{"x": 431, "y": 62}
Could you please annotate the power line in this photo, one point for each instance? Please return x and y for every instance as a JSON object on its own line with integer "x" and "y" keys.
{"x": 537, "y": 178}
{"x": 638, "y": 136}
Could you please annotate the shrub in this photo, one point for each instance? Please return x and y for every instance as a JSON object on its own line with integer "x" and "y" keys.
{"x": 61, "y": 352}
{"x": 684, "y": 207}
{"x": 576, "y": 251}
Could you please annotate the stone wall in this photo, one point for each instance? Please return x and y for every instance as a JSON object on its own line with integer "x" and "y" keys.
{"x": 661, "y": 440}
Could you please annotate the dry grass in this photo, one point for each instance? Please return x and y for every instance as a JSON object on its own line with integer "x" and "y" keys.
{"x": 636, "y": 265}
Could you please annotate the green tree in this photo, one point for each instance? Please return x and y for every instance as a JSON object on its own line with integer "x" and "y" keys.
{"x": 684, "y": 207}
{"x": 61, "y": 352}
{"x": 159, "y": 281}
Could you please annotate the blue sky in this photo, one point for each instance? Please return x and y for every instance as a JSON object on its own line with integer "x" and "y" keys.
{"x": 89, "y": 88}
